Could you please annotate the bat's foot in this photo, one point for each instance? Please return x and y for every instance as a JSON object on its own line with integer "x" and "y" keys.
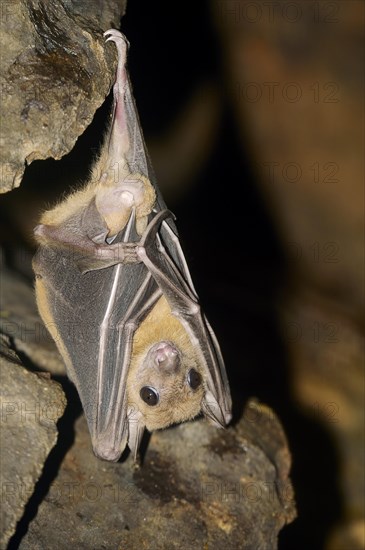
{"x": 121, "y": 42}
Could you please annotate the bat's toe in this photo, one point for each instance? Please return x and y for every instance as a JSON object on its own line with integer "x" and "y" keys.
{"x": 112, "y": 35}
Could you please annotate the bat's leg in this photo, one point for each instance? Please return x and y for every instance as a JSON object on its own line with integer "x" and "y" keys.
{"x": 87, "y": 254}
{"x": 119, "y": 136}
{"x": 121, "y": 172}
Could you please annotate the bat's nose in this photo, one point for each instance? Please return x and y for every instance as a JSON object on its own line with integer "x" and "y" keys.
{"x": 166, "y": 356}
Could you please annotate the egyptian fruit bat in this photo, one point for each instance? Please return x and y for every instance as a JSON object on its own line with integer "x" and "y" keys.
{"x": 114, "y": 290}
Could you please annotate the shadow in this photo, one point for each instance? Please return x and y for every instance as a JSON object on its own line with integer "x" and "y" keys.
{"x": 239, "y": 270}
{"x": 65, "y": 440}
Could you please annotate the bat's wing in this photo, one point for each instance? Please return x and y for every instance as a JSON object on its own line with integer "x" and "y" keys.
{"x": 161, "y": 253}
{"x": 93, "y": 293}
{"x": 93, "y": 316}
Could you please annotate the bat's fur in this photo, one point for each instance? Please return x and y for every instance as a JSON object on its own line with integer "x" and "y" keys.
{"x": 113, "y": 200}
{"x": 46, "y": 314}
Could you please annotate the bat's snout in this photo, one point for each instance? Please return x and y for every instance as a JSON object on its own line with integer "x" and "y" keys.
{"x": 165, "y": 356}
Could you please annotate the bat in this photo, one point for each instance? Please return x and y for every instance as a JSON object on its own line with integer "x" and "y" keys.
{"x": 114, "y": 290}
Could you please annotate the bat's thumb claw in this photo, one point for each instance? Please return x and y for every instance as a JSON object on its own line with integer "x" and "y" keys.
{"x": 136, "y": 430}
{"x": 39, "y": 230}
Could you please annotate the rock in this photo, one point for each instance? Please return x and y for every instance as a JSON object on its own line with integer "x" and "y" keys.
{"x": 55, "y": 73}
{"x": 198, "y": 487}
{"x": 30, "y": 407}
{"x": 327, "y": 371}
{"x": 21, "y": 322}
{"x": 197, "y": 484}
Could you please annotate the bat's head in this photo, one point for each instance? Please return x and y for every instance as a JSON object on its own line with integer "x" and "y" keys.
{"x": 166, "y": 386}
{"x": 167, "y": 380}
{"x": 165, "y": 383}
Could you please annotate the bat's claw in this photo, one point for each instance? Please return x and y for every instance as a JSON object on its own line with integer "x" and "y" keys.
{"x": 112, "y": 35}
{"x": 122, "y": 44}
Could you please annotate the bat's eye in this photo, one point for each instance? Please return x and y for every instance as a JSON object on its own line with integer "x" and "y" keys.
{"x": 149, "y": 395}
{"x": 194, "y": 379}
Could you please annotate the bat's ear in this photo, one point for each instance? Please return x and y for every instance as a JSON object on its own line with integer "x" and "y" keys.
{"x": 136, "y": 429}
{"x": 212, "y": 411}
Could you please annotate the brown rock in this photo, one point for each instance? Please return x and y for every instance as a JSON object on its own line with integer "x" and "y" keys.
{"x": 54, "y": 74}
{"x": 197, "y": 487}
{"x": 30, "y": 408}
{"x": 21, "y": 322}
